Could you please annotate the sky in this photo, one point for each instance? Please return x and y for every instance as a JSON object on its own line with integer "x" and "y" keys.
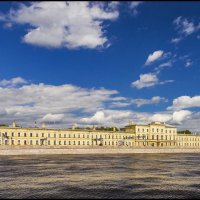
{"x": 100, "y": 63}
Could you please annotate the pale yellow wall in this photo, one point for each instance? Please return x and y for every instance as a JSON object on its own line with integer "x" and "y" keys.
{"x": 139, "y": 135}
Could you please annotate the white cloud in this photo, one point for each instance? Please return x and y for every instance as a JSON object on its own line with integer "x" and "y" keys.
{"x": 113, "y": 117}
{"x": 181, "y": 115}
{"x": 161, "y": 117}
{"x": 63, "y": 105}
{"x": 154, "y": 56}
{"x": 134, "y": 5}
{"x": 176, "y": 40}
{"x": 12, "y": 82}
{"x": 177, "y": 117}
{"x": 65, "y": 24}
{"x": 163, "y": 65}
{"x": 53, "y": 117}
{"x": 148, "y": 80}
{"x": 188, "y": 63}
{"x": 184, "y": 27}
{"x": 185, "y": 102}
{"x": 153, "y": 100}
{"x": 31, "y": 102}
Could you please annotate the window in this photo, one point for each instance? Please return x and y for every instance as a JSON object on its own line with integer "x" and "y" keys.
{"x": 69, "y": 135}
{"x": 31, "y": 142}
{"x": 42, "y": 134}
{"x": 59, "y": 135}
{"x": 83, "y": 142}
{"x": 74, "y": 142}
{"x": 36, "y": 134}
{"x": 138, "y": 130}
{"x": 54, "y": 142}
{"x": 152, "y": 137}
{"x": 157, "y": 130}
{"x": 64, "y": 135}
{"x": 88, "y": 143}
{"x": 152, "y": 129}
{"x": 12, "y": 134}
{"x": 31, "y": 134}
{"x": 74, "y": 136}
{"x": 64, "y": 142}
{"x": 78, "y": 135}
{"x": 18, "y": 142}
{"x": 18, "y": 134}
{"x": 24, "y": 142}
{"x": 54, "y": 135}
{"x": 36, "y": 142}
{"x": 24, "y": 134}
{"x": 49, "y": 135}
{"x": 49, "y": 142}
{"x": 69, "y": 142}
{"x": 79, "y": 142}
{"x": 83, "y": 135}
{"x": 59, "y": 142}
{"x": 12, "y": 142}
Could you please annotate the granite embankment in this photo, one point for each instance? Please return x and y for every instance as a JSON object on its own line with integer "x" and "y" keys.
{"x": 51, "y": 151}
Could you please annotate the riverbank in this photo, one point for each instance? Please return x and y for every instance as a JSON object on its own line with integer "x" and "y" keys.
{"x": 57, "y": 151}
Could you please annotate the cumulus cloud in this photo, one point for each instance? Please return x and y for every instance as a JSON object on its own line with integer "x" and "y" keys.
{"x": 31, "y": 102}
{"x": 154, "y": 56}
{"x": 183, "y": 102}
{"x": 181, "y": 115}
{"x": 161, "y": 117}
{"x": 12, "y": 82}
{"x": 113, "y": 117}
{"x": 177, "y": 117}
{"x": 153, "y": 100}
{"x": 148, "y": 80}
{"x": 67, "y": 104}
{"x": 64, "y": 24}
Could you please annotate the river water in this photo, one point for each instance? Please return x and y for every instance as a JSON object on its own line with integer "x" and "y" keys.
{"x": 101, "y": 176}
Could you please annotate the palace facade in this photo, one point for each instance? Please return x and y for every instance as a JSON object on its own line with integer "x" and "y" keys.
{"x": 155, "y": 134}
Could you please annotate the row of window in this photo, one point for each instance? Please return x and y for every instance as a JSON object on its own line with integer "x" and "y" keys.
{"x": 161, "y": 137}
{"x": 105, "y": 136}
{"x": 161, "y": 130}
{"x": 65, "y": 135}
{"x": 37, "y": 142}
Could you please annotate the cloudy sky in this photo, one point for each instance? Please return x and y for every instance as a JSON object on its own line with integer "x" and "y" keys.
{"x": 100, "y": 63}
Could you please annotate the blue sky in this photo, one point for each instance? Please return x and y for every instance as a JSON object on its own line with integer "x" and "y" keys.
{"x": 103, "y": 63}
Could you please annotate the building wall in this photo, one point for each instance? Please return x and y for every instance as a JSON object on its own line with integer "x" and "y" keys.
{"x": 151, "y": 135}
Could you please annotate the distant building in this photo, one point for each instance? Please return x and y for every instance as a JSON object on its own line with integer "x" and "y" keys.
{"x": 155, "y": 134}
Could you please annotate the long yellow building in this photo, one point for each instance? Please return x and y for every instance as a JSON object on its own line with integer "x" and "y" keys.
{"x": 155, "y": 134}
